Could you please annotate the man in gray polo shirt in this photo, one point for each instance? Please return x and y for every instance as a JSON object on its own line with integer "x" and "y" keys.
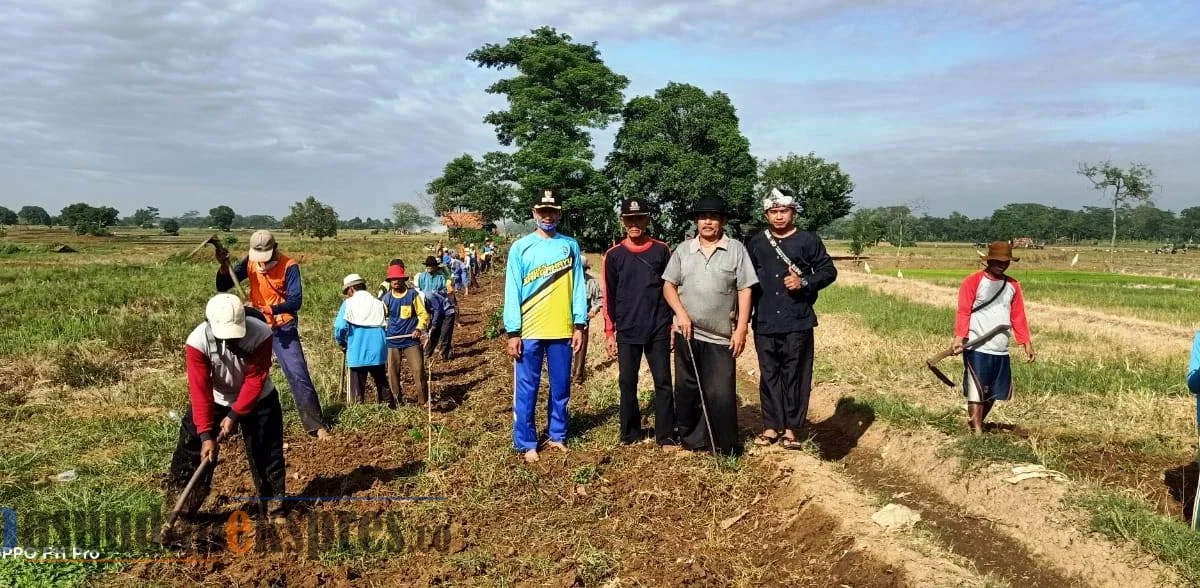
{"x": 707, "y": 284}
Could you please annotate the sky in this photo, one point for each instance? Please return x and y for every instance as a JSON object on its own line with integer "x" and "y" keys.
{"x": 945, "y": 106}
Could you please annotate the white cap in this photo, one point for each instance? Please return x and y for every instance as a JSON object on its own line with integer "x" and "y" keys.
{"x": 780, "y": 197}
{"x": 352, "y": 280}
{"x": 227, "y": 316}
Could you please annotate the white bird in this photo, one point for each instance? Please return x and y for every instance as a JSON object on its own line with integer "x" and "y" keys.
{"x": 900, "y": 274}
{"x": 866, "y": 267}
{"x": 1075, "y": 260}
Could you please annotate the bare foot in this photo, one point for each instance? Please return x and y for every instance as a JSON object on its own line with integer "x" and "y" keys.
{"x": 556, "y": 445}
{"x": 531, "y": 456}
{"x": 323, "y": 434}
{"x": 670, "y": 448}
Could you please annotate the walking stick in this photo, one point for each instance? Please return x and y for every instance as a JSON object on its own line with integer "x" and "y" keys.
{"x": 712, "y": 442}
{"x": 345, "y": 388}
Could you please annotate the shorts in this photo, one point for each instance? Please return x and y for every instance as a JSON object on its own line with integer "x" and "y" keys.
{"x": 986, "y": 377}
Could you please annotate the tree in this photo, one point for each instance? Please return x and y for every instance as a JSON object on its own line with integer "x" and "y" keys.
{"x": 34, "y": 215}
{"x": 680, "y": 145}
{"x": 7, "y": 217}
{"x": 866, "y": 229}
{"x": 561, "y": 90}
{"x": 1189, "y": 223}
{"x": 1131, "y": 185}
{"x": 486, "y": 187}
{"x": 170, "y": 227}
{"x": 144, "y": 217}
{"x": 85, "y": 219}
{"x": 221, "y": 217}
{"x": 823, "y": 188}
{"x": 311, "y": 218}
{"x": 408, "y": 217}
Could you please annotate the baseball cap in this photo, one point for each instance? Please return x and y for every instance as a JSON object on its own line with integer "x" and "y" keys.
{"x": 262, "y": 246}
{"x": 548, "y": 198}
{"x": 226, "y": 316}
{"x": 634, "y": 207}
{"x": 396, "y": 272}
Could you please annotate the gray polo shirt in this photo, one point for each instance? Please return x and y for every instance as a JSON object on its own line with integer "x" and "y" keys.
{"x": 708, "y": 286}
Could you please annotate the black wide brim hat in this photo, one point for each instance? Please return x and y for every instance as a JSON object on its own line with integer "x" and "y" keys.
{"x": 709, "y": 204}
{"x": 432, "y": 261}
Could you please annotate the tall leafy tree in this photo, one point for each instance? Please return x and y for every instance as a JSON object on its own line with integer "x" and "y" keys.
{"x": 822, "y": 185}
{"x": 144, "y": 217}
{"x": 86, "y": 219}
{"x": 677, "y": 146}
{"x": 561, "y": 90}
{"x": 7, "y": 217}
{"x": 408, "y": 217}
{"x": 1120, "y": 186}
{"x": 222, "y": 217}
{"x": 170, "y": 227}
{"x": 866, "y": 228}
{"x": 1189, "y": 223}
{"x": 34, "y": 215}
{"x": 312, "y": 218}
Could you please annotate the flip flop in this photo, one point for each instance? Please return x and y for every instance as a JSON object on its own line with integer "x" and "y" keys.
{"x": 762, "y": 440}
{"x": 787, "y": 443}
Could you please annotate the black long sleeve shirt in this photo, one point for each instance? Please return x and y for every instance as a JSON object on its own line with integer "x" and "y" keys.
{"x": 634, "y": 307}
{"x": 778, "y": 310}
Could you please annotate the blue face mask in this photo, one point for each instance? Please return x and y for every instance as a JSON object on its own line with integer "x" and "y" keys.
{"x": 547, "y": 226}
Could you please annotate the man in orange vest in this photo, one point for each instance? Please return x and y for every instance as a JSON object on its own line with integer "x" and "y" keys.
{"x": 276, "y": 292}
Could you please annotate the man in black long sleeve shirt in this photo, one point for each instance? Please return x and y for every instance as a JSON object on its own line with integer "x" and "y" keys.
{"x": 792, "y": 266}
{"x": 637, "y": 321}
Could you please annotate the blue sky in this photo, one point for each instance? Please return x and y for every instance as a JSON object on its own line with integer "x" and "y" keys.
{"x": 949, "y": 106}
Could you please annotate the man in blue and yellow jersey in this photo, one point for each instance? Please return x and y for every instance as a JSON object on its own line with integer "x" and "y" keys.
{"x": 545, "y": 312}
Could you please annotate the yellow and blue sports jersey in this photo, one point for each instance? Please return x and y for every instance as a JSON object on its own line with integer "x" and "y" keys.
{"x": 544, "y": 290}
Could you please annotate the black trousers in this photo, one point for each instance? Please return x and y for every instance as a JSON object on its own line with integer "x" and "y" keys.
{"x": 262, "y": 432}
{"x": 629, "y": 360}
{"x": 786, "y": 365}
{"x": 358, "y": 384}
{"x": 718, "y": 380}
{"x": 441, "y": 335}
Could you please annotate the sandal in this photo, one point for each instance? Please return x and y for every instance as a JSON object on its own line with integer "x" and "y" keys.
{"x": 791, "y": 443}
{"x": 762, "y": 440}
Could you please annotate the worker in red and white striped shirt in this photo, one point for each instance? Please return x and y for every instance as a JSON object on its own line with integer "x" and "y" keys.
{"x": 988, "y": 299}
{"x": 228, "y": 366}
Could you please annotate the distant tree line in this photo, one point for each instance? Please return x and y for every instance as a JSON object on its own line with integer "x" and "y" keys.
{"x": 1047, "y": 224}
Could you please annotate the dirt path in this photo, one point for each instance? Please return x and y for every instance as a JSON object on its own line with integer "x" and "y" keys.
{"x": 1026, "y": 535}
{"x": 1154, "y": 338}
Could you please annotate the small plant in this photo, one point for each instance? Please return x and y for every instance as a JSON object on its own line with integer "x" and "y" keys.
{"x": 230, "y": 241}
{"x": 585, "y": 474}
{"x": 596, "y": 566}
{"x": 495, "y": 324}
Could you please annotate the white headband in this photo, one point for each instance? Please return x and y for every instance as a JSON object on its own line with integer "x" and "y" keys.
{"x": 777, "y": 199}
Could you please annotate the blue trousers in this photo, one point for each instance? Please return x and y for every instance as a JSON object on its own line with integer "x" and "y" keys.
{"x": 527, "y": 378}
{"x": 290, "y": 355}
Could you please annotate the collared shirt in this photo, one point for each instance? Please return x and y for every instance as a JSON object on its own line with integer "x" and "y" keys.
{"x": 708, "y": 286}
{"x": 777, "y": 310}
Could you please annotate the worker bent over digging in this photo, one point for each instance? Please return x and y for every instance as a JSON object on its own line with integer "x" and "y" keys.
{"x": 441, "y": 303}
{"x": 359, "y": 330}
{"x": 792, "y": 267}
{"x": 276, "y": 291}
{"x": 989, "y": 299}
{"x": 229, "y": 386}
{"x": 406, "y": 320}
{"x": 708, "y": 281}
{"x": 637, "y": 321}
{"x": 545, "y": 310}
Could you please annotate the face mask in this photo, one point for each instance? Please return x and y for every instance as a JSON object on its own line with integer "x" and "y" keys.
{"x": 546, "y": 226}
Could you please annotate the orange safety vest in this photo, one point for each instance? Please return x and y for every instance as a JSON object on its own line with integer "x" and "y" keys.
{"x": 270, "y": 288}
